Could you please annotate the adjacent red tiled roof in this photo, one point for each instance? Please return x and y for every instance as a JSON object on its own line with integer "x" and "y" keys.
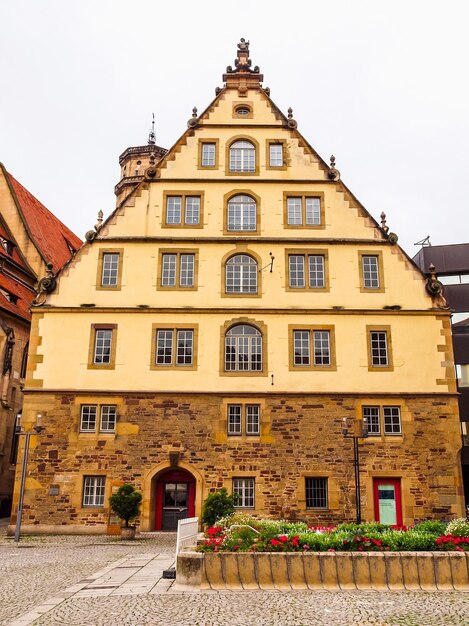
{"x": 25, "y": 297}
{"x": 47, "y": 232}
{"x": 14, "y": 256}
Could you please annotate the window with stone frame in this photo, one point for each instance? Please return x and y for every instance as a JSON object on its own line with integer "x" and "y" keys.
{"x": 276, "y": 155}
{"x": 379, "y": 348}
{"x": 241, "y": 272}
{"x": 177, "y": 270}
{"x": 241, "y": 213}
{"x": 370, "y": 270}
{"x": 312, "y": 348}
{"x": 303, "y": 211}
{"x": 383, "y": 420}
{"x": 243, "y": 415}
{"x": 110, "y": 270}
{"x": 306, "y": 271}
{"x": 316, "y": 492}
{"x": 243, "y": 349}
{"x": 244, "y": 493}
{"x": 93, "y": 490}
{"x": 208, "y": 154}
{"x": 103, "y": 346}
{"x": 175, "y": 347}
{"x": 89, "y": 418}
{"x": 183, "y": 210}
{"x": 242, "y": 157}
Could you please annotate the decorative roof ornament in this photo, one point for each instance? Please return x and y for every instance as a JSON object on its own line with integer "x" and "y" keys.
{"x": 292, "y": 123}
{"x": 151, "y": 134}
{"x": 333, "y": 173}
{"x": 46, "y": 285}
{"x": 194, "y": 120}
{"x": 435, "y": 288}
{"x": 383, "y": 222}
{"x": 243, "y": 76}
{"x": 99, "y": 223}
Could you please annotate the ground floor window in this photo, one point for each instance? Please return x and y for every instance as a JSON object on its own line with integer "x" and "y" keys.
{"x": 316, "y": 493}
{"x": 243, "y": 490}
{"x": 93, "y": 490}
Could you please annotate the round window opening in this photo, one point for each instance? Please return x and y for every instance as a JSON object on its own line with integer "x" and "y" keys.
{"x": 243, "y": 111}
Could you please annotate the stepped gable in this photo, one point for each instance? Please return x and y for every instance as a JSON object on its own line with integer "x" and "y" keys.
{"x": 52, "y": 238}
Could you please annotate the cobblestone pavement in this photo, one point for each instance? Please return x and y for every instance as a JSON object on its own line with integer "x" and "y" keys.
{"x": 60, "y": 573}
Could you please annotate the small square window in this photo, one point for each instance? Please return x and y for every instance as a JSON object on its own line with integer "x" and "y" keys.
{"x": 316, "y": 493}
{"x": 183, "y": 211}
{"x": 93, "y": 490}
{"x": 174, "y": 347}
{"x": 177, "y": 270}
{"x": 307, "y": 271}
{"x": 244, "y": 490}
{"x": 303, "y": 211}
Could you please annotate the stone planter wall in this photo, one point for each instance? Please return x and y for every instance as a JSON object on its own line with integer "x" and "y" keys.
{"x": 427, "y": 571}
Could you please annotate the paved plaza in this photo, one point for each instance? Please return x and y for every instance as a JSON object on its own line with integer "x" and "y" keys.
{"x": 94, "y": 581}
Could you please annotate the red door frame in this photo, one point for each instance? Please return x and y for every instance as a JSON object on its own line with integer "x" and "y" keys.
{"x": 174, "y": 476}
{"x": 396, "y": 482}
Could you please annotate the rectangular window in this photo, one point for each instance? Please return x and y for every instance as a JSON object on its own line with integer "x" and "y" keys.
{"x": 183, "y": 210}
{"x": 253, "y": 419}
{"x": 392, "y": 420}
{"x": 88, "y": 418}
{"x": 301, "y": 347}
{"x": 276, "y": 155}
{"x": 243, "y": 490}
{"x": 177, "y": 270}
{"x": 371, "y": 413}
{"x": 322, "y": 348}
{"x": 370, "y": 268}
{"x": 93, "y": 490}
{"x": 314, "y": 264}
{"x": 234, "y": 419}
{"x": 108, "y": 418}
{"x": 103, "y": 347}
{"x": 208, "y": 155}
{"x": 110, "y": 273}
{"x": 303, "y": 211}
{"x": 316, "y": 493}
{"x": 174, "y": 347}
{"x": 379, "y": 348}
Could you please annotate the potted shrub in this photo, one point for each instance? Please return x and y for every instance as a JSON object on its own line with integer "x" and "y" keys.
{"x": 218, "y": 504}
{"x": 126, "y": 504}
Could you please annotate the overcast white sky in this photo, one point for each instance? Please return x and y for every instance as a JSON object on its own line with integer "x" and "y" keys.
{"x": 383, "y": 85}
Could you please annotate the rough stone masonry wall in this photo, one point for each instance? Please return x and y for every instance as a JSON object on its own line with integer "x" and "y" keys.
{"x": 300, "y": 437}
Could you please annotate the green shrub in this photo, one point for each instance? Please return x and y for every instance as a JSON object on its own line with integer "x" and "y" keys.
{"x": 126, "y": 503}
{"x": 217, "y": 505}
{"x": 431, "y": 526}
{"x": 458, "y": 528}
{"x": 362, "y": 529}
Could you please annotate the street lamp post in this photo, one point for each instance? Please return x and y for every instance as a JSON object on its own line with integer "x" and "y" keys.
{"x": 356, "y": 460}
{"x": 18, "y": 431}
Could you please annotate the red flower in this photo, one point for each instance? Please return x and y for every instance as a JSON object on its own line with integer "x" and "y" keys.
{"x": 283, "y": 538}
{"x": 274, "y": 542}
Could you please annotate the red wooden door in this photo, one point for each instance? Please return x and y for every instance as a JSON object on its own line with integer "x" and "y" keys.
{"x": 175, "y": 498}
{"x": 388, "y": 501}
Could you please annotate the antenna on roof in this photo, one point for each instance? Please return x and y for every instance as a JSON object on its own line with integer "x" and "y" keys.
{"x": 425, "y": 243}
{"x": 151, "y": 134}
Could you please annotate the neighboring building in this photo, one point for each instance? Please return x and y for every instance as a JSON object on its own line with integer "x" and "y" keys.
{"x": 451, "y": 264}
{"x": 30, "y": 238}
{"x": 217, "y": 328}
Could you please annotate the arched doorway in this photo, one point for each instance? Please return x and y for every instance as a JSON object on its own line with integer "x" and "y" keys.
{"x": 175, "y": 498}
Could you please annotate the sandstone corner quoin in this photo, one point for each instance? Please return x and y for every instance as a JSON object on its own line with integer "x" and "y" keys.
{"x": 218, "y": 326}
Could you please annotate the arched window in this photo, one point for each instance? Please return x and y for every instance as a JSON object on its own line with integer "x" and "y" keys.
{"x": 241, "y": 274}
{"x": 242, "y": 213}
{"x": 242, "y": 156}
{"x": 243, "y": 349}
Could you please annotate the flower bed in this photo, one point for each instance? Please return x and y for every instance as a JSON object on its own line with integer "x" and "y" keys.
{"x": 243, "y": 533}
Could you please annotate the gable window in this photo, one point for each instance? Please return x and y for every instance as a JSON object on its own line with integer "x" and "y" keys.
{"x": 183, "y": 210}
{"x": 313, "y": 348}
{"x": 102, "y": 346}
{"x": 175, "y": 347}
{"x": 307, "y": 271}
{"x": 93, "y": 490}
{"x": 303, "y": 211}
{"x": 241, "y": 274}
{"x": 208, "y": 154}
{"x": 247, "y": 413}
{"x": 110, "y": 269}
{"x": 316, "y": 493}
{"x": 276, "y": 154}
{"x": 370, "y": 272}
{"x": 242, "y": 213}
{"x": 243, "y": 349}
{"x": 386, "y": 419}
{"x": 242, "y": 155}
{"x": 177, "y": 269}
{"x": 243, "y": 490}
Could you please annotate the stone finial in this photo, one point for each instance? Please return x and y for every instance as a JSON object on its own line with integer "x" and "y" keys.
{"x": 290, "y": 113}
{"x": 243, "y": 45}
{"x": 333, "y": 173}
{"x": 435, "y": 288}
{"x": 99, "y": 223}
{"x": 242, "y": 76}
{"x": 291, "y": 123}
{"x": 432, "y": 270}
{"x": 151, "y": 134}
{"x": 194, "y": 120}
{"x": 383, "y": 222}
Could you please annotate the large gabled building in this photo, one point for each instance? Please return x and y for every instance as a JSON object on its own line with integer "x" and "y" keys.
{"x": 31, "y": 237}
{"x": 219, "y": 326}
